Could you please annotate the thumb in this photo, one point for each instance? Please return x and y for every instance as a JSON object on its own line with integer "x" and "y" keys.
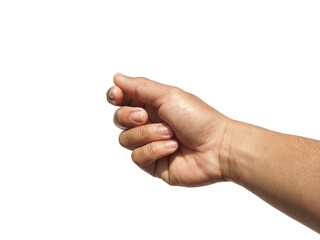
{"x": 145, "y": 90}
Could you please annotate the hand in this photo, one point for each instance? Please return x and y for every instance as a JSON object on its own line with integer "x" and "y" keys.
{"x": 177, "y": 137}
{"x": 174, "y": 135}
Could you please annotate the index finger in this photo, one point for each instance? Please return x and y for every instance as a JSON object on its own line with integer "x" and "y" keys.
{"x": 117, "y": 97}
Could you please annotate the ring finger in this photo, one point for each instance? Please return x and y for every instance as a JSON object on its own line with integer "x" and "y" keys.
{"x": 146, "y": 155}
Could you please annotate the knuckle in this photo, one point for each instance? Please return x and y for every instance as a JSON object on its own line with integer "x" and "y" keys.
{"x": 143, "y": 133}
{"x": 137, "y": 159}
{"x": 174, "y": 91}
{"x": 151, "y": 150}
{"x": 145, "y": 155}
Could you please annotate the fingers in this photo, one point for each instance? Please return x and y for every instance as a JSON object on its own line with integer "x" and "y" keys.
{"x": 128, "y": 117}
{"x": 139, "y": 136}
{"x": 146, "y": 155}
{"x": 143, "y": 89}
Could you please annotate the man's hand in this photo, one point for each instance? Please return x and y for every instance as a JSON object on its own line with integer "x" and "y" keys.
{"x": 179, "y": 138}
{"x": 174, "y": 135}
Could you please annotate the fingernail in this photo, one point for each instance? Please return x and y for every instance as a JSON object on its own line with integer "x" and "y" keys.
{"x": 164, "y": 130}
{"x": 111, "y": 94}
{"x": 136, "y": 116}
{"x": 171, "y": 144}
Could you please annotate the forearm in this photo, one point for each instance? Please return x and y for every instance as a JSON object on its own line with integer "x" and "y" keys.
{"x": 282, "y": 169}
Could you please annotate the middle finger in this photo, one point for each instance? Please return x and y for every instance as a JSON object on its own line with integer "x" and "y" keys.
{"x": 128, "y": 117}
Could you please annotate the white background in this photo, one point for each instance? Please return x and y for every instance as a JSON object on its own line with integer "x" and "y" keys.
{"x": 63, "y": 174}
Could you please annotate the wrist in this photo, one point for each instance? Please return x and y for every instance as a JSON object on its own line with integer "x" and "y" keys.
{"x": 239, "y": 145}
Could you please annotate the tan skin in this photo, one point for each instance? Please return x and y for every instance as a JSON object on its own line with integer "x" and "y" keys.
{"x": 177, "y": 137}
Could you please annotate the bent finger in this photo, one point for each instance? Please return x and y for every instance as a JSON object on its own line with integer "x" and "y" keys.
{"x": 139, "y": 136}
{"x": 128, "y": 117}
{"x": 117, "y": 97}
{"x": 149, "y": 153}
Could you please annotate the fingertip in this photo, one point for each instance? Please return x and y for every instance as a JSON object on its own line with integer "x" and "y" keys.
{"x": 171, "y": 144}
{"x": 118, "y": 94}
{"x": 165, "y": 131}
{"x": 110, "y": 95}
{"x": 139, "y": 117}
{"x": 128, "y": 117}
{"x": 115, "y": 95}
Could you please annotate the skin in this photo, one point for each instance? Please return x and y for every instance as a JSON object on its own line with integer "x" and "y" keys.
{"x": 177, "y": 137}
